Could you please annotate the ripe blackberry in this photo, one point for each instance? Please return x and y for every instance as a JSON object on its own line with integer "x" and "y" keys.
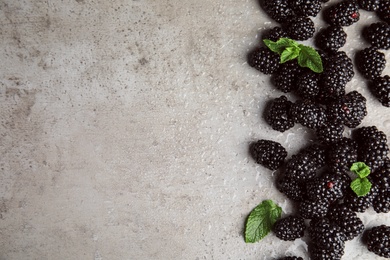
{"x": 372, "y": 146}
{"x": 329, "y": 133}
{"x": 306, "y": 8}
{"x": 349, "y": 110}
{"x": 301, "y": 28}
{"x": 370, "y": 62}
{"x": 310, "y": 209}
{"x": 369, "y": 5}
{"x": 380, "y": 87}
{"x": 342, "y": 155}
{"x": 384, "y": 11}
{"x": 286, "y": 76}
{"x": 381, "y": 202}
{"x": 278, "y": 10}
{"x": 292, "y": 188}
{"x": 307, "y": 86}
{"x": 343, "y": 13}
{"x": 378, "y": 240}
{"x": 308, "y": 113}
{"x": 326, "y": 234}
{"x": 317, "y": 253}
{"x": 277, "y": 114}
{"x": 291, "y": 258}
{"x": 331, "y": 38}
{"x": 360, "y": 204}
{"x": 381, "y": 176}
{"x": 378, "y": 34}
{"x": 275, "y": 34}
{"x": 268, "y": 153}
{"x": 348, "y": 221}
{"x": 327, "y": 187}
{"x": 264, "y": 60}
{"x": 289, "y": 228}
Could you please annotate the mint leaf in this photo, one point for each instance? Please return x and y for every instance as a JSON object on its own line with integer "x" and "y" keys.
{"x": 360, "y": 169}
{"x": 280, "y": 45}
{"x": 289, "y": 53}
{"x": 361, "y": 186}
{"x": 261, "y": 220}
{"x": 309, "y": 58}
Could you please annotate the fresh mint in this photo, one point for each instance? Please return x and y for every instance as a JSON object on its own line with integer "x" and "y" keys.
{"x": 261, "y": 220}
{"x": 361, "y": 185}
{"x": 289, "y": 49}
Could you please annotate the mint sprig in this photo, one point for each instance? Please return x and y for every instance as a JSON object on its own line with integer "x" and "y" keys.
{"x": 261, "y": 220}
{"x": 361, "y": 185}
{"x": 289, "y": 49}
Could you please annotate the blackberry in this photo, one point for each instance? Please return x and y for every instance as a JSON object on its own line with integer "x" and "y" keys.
{"x": 326, "y": 234}
{"x": 275, "y": 34}
{"x": 268, "y": 153}
{"x": 277, "y": 114}
{"x": 291, "y": 258}
{"x": 381, "y": 202}
{"x": 348, "y": 221}
{"x": 349, "y": 110}
{"x": 370, "y": 62}
{"x": 369, "y": 5}
{"x": 381, "y": 176}
{"x": 289, "y": 228}
{"x": 286, "y": 76}
{"x": 331, "y": 38}
{"x": 330, "y": 133}
{"x": 327, "y": 187}
{"x": 292, "y": 188}
{"x": 372, "y": 146}
{"x": 264, "y": 60}
{"x": 360, "y": 204}
{"x": 278, "y": 10}
{"x": 342, "y": 155}
{"x": 384, "y": 11}
{"x": 317, "y": 253}
{"x": 301, "y": 28}
{"x": 310, "y": 209}
{"x": 378, "y": 35}
{"x": 378, "y": 240}
{"x": 344, "y": 13}
{"x": 307, "y": 86}
{"x": 380, "y": 87}
{"x": 306, "y": 8}
{"x": 308, "y": 113}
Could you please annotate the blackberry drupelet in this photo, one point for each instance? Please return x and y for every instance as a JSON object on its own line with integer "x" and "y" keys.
{"x": 310, "y": 209}
{"x": 348, "y": 221}
{"x": 369, "y": 5}
{"x": 378, "y": 35}
{"x": 330, "y": 133}
{"x": 342, "y": 155}
{"x": 384, "y": 11}
{"x": 289, "y": 228}
{"x": 331, "y": 38}
{"x": 277, "y": 114}
{"x": 275, "y": 34}
{"x": 306, "y": 8}
{"x": 308, "y": 113}
{"x": 326, "y": 235}
{"x": 292, "y": 188}
{"x": 268, "y": 153}
{"x": 360, "y": 204}
{"x": 344, "y": 13}
{"x": 378, "y": 240}
{"x": 307, "y": 86}
{"x": 328, "y": 187}
{"x": 264, "y": 60}
{"x": 278, "y": 10}
{"x": 290, "y": 258}
{"x": 381, "y": 203}
{"x": 286, "y": 76}
{"x": 380, "y": 87}
{"x": 370, "y": 62}
{"x": 301, "y": 28}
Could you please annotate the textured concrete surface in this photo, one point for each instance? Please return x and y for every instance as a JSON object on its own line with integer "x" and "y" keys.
{"x": 125, "y": 127}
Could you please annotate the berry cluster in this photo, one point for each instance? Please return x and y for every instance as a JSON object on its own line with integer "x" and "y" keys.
{"x": 317, "y": 178}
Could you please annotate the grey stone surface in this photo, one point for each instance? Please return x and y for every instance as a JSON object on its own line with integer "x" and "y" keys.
{"x": 125, "y": 128}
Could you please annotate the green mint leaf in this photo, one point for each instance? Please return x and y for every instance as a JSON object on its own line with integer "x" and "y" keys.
{"x": 261, "y": 220}
{"x": 289, "y": 53}
{"x": 360, "y": 169}
{"x": 361, "y": 186}
{"x": 280, "y": 45}
{"x": 309, "y": 58}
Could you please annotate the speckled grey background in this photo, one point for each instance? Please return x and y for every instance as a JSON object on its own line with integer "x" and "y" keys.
{"x": 125, "y": 127}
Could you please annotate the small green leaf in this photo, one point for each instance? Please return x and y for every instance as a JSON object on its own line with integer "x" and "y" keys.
{"x": 289, "y": 53}
{"x": 273, "y": 46}
{"x": 261, "y": 220}
{"x": 309, "y": 58}
{"x": 361, "y": 186}
{"x": 360, "y": 169}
